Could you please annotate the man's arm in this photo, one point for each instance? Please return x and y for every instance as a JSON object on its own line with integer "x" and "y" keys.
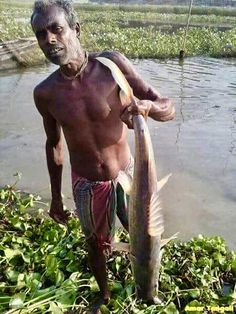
{"x": 54, "y": 154}
{"x": 150, "y": 102}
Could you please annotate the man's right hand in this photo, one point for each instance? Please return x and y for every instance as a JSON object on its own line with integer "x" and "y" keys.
{"x": 58, "y": 213}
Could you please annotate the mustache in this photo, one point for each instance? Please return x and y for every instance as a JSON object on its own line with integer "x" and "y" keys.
{"x": 50, "y": 46}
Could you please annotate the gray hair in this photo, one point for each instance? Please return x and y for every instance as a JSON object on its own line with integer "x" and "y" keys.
{"x": 41, "y": 6}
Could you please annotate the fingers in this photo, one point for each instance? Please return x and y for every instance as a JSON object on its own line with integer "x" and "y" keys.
{"x": 142, "y": 107}
{"x": 135, "y": 108}
{"x": 126, "y": 117}
{"x": 165, "y": 110}
{"x": 169, "y": 115}
{"x": 161, "y": 110}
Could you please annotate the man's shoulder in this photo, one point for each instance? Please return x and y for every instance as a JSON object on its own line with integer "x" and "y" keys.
{"x": 43, "y": 93}
{"x": 115, "y": 56}
{"x": 44, "y": 88}
{"x": 108, "y": 54}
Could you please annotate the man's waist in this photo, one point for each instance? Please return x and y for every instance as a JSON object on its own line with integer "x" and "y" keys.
{"x": 99, "y": 173}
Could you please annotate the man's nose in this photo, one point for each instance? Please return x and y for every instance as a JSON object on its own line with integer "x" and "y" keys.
{"x": 51, "y": 38}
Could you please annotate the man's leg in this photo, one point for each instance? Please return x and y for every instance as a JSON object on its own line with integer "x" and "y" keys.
{"x": 97, "y": 263}
{"x": 95, "y": 206}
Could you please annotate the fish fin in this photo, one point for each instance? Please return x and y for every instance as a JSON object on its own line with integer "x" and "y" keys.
{"x": 127, "y": 93}
{"x": 163, "y": 181}
{"x": 121, "y": 246}
{"x": 165, "y": 241}
{"x": 125, "y": 181}
{"x": 156, "y": 221}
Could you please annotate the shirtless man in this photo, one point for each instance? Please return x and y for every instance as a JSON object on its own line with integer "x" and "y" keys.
{"x": 82, "y": 99}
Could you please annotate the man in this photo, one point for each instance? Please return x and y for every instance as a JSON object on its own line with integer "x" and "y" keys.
{"x": 82, "y": 99}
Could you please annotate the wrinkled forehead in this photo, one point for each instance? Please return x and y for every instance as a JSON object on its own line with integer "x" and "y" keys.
{"x": 48, "y": 17}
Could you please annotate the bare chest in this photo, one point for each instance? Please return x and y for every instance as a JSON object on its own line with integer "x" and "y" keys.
{"x": 76, "y": 103}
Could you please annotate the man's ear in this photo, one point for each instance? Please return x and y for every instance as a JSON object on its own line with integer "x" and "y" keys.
{"x": 77, "y": 28}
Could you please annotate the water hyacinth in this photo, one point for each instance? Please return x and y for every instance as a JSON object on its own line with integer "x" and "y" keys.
{"x": 44, "y": 267}
{"x": 137, "y": 33}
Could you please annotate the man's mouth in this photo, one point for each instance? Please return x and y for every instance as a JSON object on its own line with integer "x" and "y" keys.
{"x": 54, "y": 51}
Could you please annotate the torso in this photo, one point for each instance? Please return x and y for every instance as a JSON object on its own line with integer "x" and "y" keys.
{"x": 88, "y": 109}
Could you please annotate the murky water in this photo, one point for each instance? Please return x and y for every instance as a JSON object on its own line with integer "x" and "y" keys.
{"x": 198, "y": 147}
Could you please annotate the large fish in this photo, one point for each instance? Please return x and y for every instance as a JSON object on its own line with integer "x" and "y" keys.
{"x": 146, "y": 223}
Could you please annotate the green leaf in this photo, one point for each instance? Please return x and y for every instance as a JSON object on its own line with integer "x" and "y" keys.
{"x": 26, "y": 258}
{"x": 12, "y": 275}
{"x": 104, "y": 309}
{"x": 234, "y": 267}
{"x": 44, "y": 293}
{"x": 115, "y": 286}
{"x": 219, "y": 258}
{"x": 17, "y": 301}
{"x": 194, "y": 293}
{"x": 54, "y": 308}
{"x": 194, "y": 307}
{"x": 5, "y": 298}
{"x": 59, "y": 276}
{"x": 9, "y": 253}
{"x": 129, "y": 290}
{"x": 170, "y": 309}
{"x": 34, "y": 284}
{"x": 51, "y": 235}
{"x": 3, "y": 194}
{"x": 21, "y": 281}
{"x": 66, "y": 296}
{"x": 51, "y": 264}
{"x": 75, "y": 276}
{"x": 72, "y": 267}
{"x": 118, "y": 263}
{"x": 62, "y": 253}
{"x": 93, "y": 284}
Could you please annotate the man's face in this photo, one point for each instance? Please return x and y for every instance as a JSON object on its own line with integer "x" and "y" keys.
{"x": 57, "y": 40}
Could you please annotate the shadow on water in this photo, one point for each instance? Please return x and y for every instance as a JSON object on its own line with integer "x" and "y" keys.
{"x": 198, "y": 147}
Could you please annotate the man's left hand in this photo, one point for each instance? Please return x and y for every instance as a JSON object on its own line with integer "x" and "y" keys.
{"x": 136, "y": 107}
{"x": 160, "y": 110}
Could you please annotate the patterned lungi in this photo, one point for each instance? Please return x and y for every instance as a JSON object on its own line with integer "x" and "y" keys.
{"x": 97, "y": 203}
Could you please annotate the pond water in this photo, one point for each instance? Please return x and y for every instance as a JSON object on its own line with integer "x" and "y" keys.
{"x": 198, "y": 147}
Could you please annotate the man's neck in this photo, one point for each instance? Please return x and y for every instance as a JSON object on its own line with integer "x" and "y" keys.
{"x": 73, "y": 67}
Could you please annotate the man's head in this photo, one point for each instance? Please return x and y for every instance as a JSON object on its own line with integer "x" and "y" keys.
{"x": 40, "y": 6}
{"x": 54, "y": 24}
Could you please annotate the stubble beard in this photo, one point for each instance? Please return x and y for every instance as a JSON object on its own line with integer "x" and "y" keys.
{"x": 74, "y": 52}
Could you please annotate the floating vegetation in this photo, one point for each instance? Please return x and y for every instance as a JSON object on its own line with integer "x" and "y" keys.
{"x": 44, "y": 269}
{"x": 139, "y": 33}
{"x": 149, "y": 43}
{"x": 171, "y": 9}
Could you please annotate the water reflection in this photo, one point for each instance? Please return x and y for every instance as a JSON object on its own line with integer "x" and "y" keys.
{"x": 198, "y": 147}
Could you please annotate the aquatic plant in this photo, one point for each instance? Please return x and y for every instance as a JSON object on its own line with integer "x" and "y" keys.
{"x": 138, "y": 34}
{"x": 196, "y": 10}
{"x": 44, "y": 269}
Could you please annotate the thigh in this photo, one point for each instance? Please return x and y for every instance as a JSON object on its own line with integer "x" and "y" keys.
{"x": 95, "y": 207}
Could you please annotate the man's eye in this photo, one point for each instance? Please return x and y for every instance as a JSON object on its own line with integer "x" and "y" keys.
{"x": 58, "y": 29}
{"x": 40, "y": 34}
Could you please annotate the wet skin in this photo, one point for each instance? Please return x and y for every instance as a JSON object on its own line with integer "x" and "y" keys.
{"x": 89, "y": 111}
